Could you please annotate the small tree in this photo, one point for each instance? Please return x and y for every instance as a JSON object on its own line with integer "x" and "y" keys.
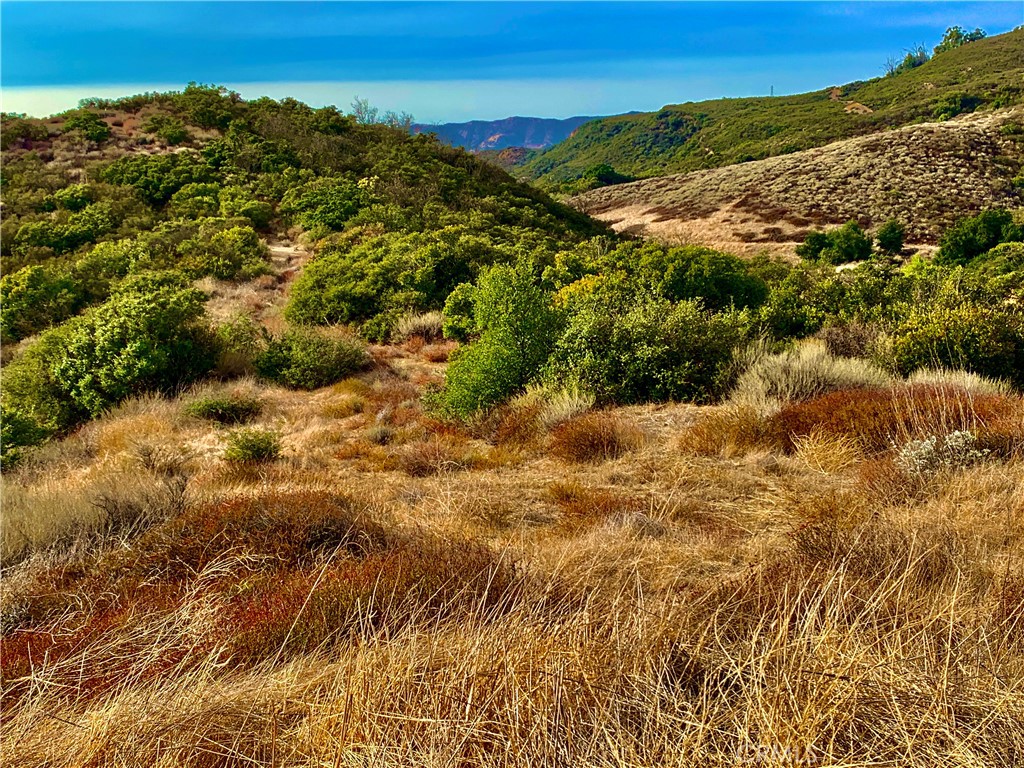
{"x": 956, "y": 37}
{"x": 890, "y": 237}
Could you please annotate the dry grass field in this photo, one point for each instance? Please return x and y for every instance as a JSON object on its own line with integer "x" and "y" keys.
{"x": 779, "y": 580}
{"x": 926, "y": 175}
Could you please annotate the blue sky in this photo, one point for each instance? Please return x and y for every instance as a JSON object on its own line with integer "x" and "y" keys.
{"x": 463, "y": 60}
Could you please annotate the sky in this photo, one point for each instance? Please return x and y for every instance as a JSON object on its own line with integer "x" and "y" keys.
{"x": 454, "y": 61}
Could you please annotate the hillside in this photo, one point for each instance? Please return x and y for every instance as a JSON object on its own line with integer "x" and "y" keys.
{"x": 527, "y": 132}
{"x": 925, "y": 176}
{"x": 710, "y": 134}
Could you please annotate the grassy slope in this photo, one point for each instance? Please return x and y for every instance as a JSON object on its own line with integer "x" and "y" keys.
{"x": 709, "y": 134}
{"x": 925, "y": 176}
{"x": 687, "y": 602}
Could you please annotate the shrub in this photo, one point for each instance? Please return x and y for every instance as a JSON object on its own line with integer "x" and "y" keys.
{"x": 890, "y": 237}
{"x": 852, "y": 339}
{"x": 594, "y": 437}
{"x": 88, "y": 124}
{"x": 838, "y": 246}
{"x": 171, "y": 129}
{"x": 803, "y": 373}
{"x": 457, "y": 316}
{"x": 626, "y": 349}
{"x": 518, "y": 325}
{"x": 235, "y": 253}
{"x": 239, "y": 340}
{"x": 17, "y": 432}
{"x": 252, "y": 445}
{"x": 984, "y": 340}
{"x": 307, "y": 359}
{"x": 327, "y": 203}
{"x": 956, "y": 450}
{"x": 230, "y": 409}
{"x": 133, "y": 343}
{"x": 719, "y": 280}
{"x": 973, "y": 236}
{"x": 34, "y": 298}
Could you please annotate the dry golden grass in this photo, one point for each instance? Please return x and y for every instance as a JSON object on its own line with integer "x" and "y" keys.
{"x": 710, "y": 596}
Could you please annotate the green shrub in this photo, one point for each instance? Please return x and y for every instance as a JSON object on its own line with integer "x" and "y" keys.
{"x": 34, "y": 298}
{"x": 984, "y": 340}
{"x": 629, "y": 349}
{"x": 133, "y": 343}
{"x": 88, "y": 124}
{"x": 719, "y": 280}
{"x": 326, "y": 203}
{"x": 75, "y": 197}
{"x": 240, "y": 340}
{"x": 196, "y": 200}
{"x": 228, "y": 409}
{"x": 17, "y": 432}
{"x": 252, "y": 445}
{"x": 304, "y": 358}
{"x": 517, "y": 325}
{"x": 457, "y": 316}
{"x": 171, "y": 129}
{"x": 236, "y": 253}
{"x": 838, "y": 246}
{"x": 890, "y": 237}
{"x": 975, "y": 235}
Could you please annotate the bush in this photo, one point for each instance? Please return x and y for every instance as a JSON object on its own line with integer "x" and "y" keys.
{"x": 252, "y": 445}
{"x": 625, "y": 349}
{"x": 518, "y": 326}
{"x": 17, "y": 432}
{"x": 88, "y": 124}
{"x": 171, "y": 129}
{"x": 719, "y": 280}
{"x": 236, "y": 253}
{"x": 984, "y": 340}
{"x": 594, "y": 437}
{"x": 324, "y": 203}
{"x": 240, "y": 340}
{"x": 307, "y": 359}
{"x": 133, "y": 343}
{"x": 229, "y": 409}
{"x": 890, "y": 237}
{"x": 838, "y": 246}
{"x": 973, "y": 236}
{"x": 34, "y": 298}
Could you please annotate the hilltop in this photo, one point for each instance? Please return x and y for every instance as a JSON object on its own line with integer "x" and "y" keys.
{"x": 710, "y": 134}
{"x": 925, "y": 176}
{"x": 525, "y": 132}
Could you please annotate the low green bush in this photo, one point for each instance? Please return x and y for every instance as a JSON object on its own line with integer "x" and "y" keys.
{"x": 971, "y": 237}
{"x": 837, "y": 246}
{"x": 252, "y": 445}
{"x": 225, "y": 409}
{"x": 304, "y": 358}
{"x": 984, "y": 340}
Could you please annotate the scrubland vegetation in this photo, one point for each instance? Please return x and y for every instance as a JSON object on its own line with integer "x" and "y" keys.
{"x": 482, "y": 482}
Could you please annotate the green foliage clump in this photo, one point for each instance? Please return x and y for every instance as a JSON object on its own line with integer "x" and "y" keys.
{"x": 718, "y": 279}
{"x": 323, "y": 204}
{"x": 133, "y": 343}
{"x": 970, "y": 237}
{"x": 890, "y": 237}
{"x": 168, "y": 128}
{"x": 88, "y": 124}
{"x": 252, "y": 445}
{"x": 517, "y": 325}
{"x": 75, "y": 197}
{"x": 228, "y": 409}
{"x": 458, "y": 322}
{"x": 985, "y": 340}
{"x": 34, "y": 298}
{"x": 838, "y": 246}
{"x": 628, "y": 349}
{"x": 17, "y": 432}
{"x": 956, "y": 37}
{"x": 226, "y": 254}
{"x": 237, "y": 201}
{"x": 304, "y": 358}
{"x": 157, "y": 177}
{"x": 196, "y": 200}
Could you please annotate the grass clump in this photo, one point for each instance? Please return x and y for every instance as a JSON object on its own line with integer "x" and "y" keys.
{"x": 226, "y": 409}
{"x": 427, "y": 326}
{"x": 594, "y": 437}
{"x": 803, "y": 373}
{"x": 252, "y": 445}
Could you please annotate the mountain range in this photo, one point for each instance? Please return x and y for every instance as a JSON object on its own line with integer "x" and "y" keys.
{"x": 527, "y": 132}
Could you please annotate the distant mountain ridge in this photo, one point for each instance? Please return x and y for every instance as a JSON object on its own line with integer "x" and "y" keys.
{"x": 679, "y": 138}
{"x": 528, "y": 132}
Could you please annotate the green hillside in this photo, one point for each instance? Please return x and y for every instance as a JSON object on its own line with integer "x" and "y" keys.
{"x": 708, "y": 134}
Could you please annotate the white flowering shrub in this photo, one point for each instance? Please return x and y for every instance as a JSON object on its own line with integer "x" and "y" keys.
{"x": 954, "y": 451}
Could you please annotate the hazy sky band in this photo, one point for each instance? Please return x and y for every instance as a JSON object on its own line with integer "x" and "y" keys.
{"x": 626, "y": 53}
